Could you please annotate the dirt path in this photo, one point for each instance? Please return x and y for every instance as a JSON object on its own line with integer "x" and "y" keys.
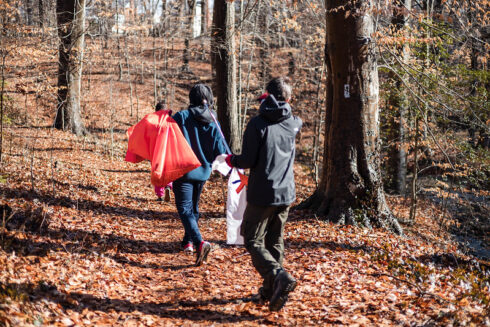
{"x": 111, "y": 255}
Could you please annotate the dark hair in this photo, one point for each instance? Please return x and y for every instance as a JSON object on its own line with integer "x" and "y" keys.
{"x": 199, "y": 93}
{"x": 279, "y": 87}
{"x": 160, "y": 106}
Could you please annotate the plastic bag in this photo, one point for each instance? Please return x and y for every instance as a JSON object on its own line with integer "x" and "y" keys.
{"x": 219, "y": 164}
{"x": 158, "y": 138}
{"x": 235, "y": 206}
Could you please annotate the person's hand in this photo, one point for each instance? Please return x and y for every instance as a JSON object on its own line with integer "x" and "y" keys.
{"x": 228, "y": 160}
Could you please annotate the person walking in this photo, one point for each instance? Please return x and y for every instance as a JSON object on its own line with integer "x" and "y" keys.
{"x": 268, "y": 149}
{"x": 198, "y": 124}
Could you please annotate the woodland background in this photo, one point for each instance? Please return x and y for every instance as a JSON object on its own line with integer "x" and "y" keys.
{"x": 83, "y": 242}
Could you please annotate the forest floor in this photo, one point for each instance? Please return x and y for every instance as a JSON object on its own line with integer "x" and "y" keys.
{"x": 87, "y": 244}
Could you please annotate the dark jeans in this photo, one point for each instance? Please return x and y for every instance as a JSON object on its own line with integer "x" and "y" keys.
{"x": 187, "y": 194}
{"x": 263, "y": 232}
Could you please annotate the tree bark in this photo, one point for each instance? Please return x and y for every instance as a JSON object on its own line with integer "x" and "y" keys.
{"x": 397, "y": 166}
{"x": 204, "y": 17}
{"x": 224, "y": 63}
{"x": 164, "y": 16}
{"x": 263, "y": 42}
{"x": 29, "y": 12}
{"x": 351, "y": 189}
{"x": 71, "y": 27}
{"x": 189, "y": 34}
{"x": 41, "y": 13}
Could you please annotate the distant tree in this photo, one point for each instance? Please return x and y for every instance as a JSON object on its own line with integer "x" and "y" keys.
{"x": 204, "y": 17}
{"x": 350, "y": 189}
{"x": 224, "y": 64}
{"x": 29, "y": 12}
{"x": 71, "y": 29}
{"x": 191, "y": 5}
{"x": 397, "y": 165}
{"x": 41, "y": 13}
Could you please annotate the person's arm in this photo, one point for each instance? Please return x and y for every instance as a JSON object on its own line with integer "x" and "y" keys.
{"x": 250, "y": 148}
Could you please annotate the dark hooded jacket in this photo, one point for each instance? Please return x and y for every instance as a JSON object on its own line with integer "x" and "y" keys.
{"x": 202, "y": 134}
{"x": 268, "y": 150}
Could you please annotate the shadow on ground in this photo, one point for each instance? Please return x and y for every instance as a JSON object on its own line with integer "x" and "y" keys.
{"x": 194, "y": 311}
{"x": 85, "y": 204}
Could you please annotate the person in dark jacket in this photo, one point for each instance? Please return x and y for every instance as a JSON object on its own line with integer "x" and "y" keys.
{"x": 201, "y": 132}
{"x": 268, "y": 150}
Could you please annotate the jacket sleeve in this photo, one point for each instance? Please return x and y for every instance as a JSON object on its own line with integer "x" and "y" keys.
{"x": 250, "y": 148}
{"x": 219, "y": 144}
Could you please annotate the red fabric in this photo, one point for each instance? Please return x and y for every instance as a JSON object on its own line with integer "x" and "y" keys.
{"x": 243, "y": 182}
{"x": 228, "y": 160}
{"x": 262, "y": 97}
{"x": 158, "y": 138}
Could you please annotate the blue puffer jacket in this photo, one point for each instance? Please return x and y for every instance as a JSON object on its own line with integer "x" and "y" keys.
{"x": 203, "y": 135}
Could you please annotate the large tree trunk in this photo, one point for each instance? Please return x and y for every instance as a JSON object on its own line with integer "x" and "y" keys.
{"x": 71, "y": 28}
{"x": 351, "y": 189}
{"x": 224, "y": 63}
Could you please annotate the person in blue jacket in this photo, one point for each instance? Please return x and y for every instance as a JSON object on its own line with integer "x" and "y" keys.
{"x": 202, "y": 133}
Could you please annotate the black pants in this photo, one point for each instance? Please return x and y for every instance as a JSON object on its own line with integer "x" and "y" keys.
{"x": 263, "y": 232}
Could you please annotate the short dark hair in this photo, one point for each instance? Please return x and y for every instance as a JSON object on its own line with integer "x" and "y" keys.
{"x": 279, "y": 87}
{"x": 160, "y": 106}
{"x": 199, "y": 93}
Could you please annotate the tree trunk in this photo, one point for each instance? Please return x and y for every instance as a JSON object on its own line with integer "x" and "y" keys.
{"x": 351, "y": 189}
{"x": 204, "y": 17}
{"x": 189, "y": 35}
{"x": 224, "y": 64}
{"x": 71, "y": 26}
{"x": 41, "y": 13}
{"x": 164, "y": 16}
{"x": 263, "y": 42}
{"x": 29, "y": 12}
{"x": 397, "y": 169}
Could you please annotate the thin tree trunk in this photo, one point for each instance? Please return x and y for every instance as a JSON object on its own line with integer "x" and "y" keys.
{"x": 189, "y": 35}
{"x": 397, "y": 166}
{"x": 263, "y": 43}
{"x": 163, "y": 18}
{"x": 155, "y": 95}
{"x": 41, "y": 13}
{"x": 2, "y": 90}
{"x": 129, "y": 77}
{"x": 413, "y": 205}
{"x": 317, "y": 129}
{"x": 71, "y": 29}
{"x": 29, "y": 12}
{"x": 224, "y": 63}
{"x": 240, "y": 59}
{"x": 204, "y": 17}
{"x": 252, "y": 52}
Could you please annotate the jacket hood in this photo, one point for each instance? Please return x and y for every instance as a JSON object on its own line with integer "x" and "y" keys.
{"x": 201, "y": 114}
{"x": 273, "y": 110}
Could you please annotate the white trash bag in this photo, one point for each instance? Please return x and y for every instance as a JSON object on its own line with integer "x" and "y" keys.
{"x": 235, "y": 207}
{"x": 236, "y": 201}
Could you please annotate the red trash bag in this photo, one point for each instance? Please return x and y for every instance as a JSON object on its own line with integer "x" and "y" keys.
{"x": 158, "y": 138}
